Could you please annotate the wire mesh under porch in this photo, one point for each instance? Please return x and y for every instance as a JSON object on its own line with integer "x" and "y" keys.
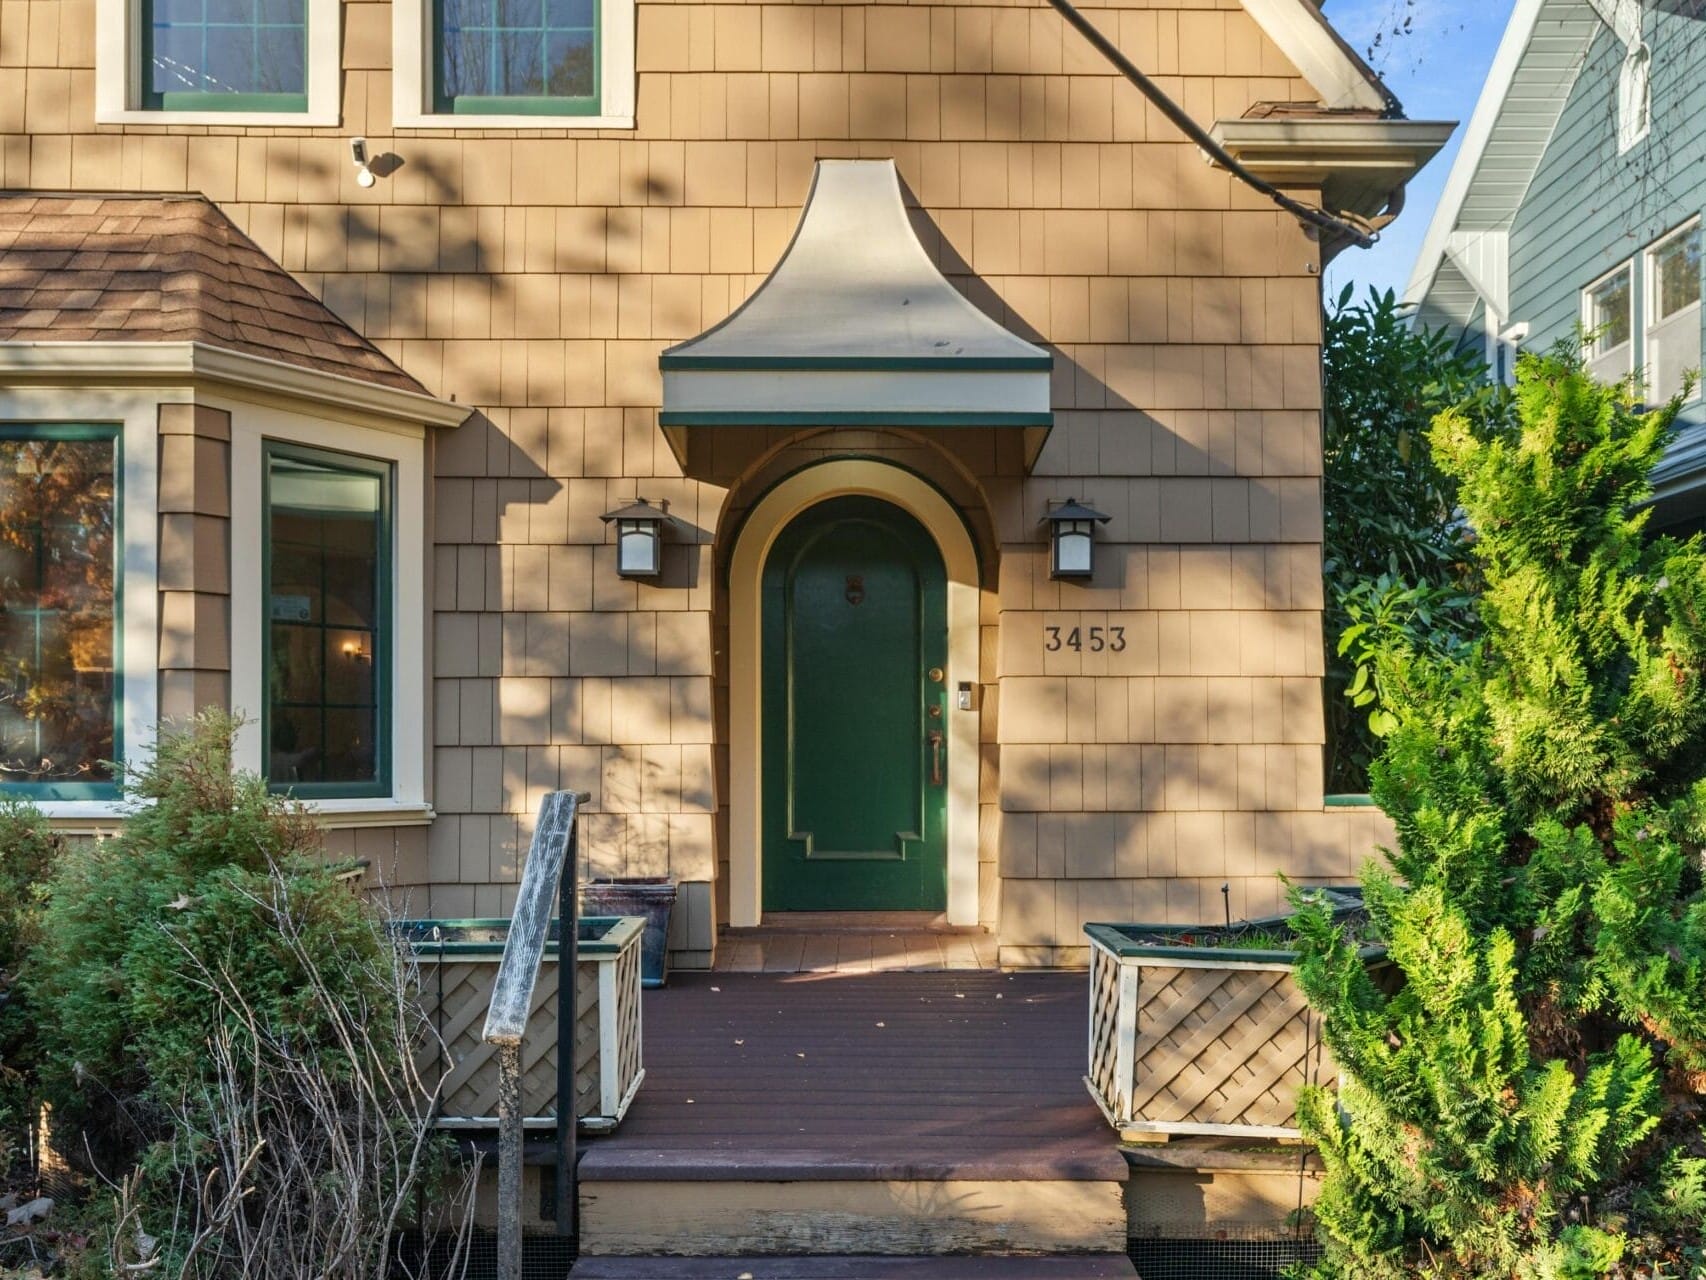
{"x": 892, "y": 1113}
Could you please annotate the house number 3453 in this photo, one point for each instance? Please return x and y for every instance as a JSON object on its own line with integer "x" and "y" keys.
{"x": 1095, "y": 639}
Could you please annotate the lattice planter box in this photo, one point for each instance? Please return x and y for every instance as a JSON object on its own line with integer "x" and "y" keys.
{"x": 1202, "y": 1039}
{"x": 458, "y": 964}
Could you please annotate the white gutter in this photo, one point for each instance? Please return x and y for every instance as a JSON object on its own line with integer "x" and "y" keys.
{"x": 129, "y": 362}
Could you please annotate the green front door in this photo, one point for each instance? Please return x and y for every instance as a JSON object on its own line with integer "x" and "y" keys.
{"x": 855, "y": 751}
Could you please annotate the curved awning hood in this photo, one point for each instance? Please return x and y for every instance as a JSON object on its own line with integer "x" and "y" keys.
{"x": 855, "y": 326}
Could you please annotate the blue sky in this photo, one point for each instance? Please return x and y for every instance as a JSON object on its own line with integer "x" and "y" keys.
{"x": 1436, "y": 69}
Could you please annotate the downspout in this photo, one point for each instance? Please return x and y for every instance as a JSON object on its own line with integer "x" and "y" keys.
{"x": 1337, "y": 228}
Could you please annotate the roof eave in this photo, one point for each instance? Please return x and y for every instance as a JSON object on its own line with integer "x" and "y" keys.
{"x": 1518, "y": 32}
{"x": 1358, "y": 163}
{"x": 143, "y": 362}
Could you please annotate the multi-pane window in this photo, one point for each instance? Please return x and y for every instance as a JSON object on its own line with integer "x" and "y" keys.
{"x": 1608, "y": 307}
{"x": 58, "y": 611}
{"x": 498, "y": 57}
{"x": 225, "y": 55}
{"x": 327, "y": 594}
{"x": 1673, "y": 311}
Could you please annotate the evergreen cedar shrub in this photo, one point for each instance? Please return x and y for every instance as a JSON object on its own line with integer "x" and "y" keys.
{"x": 28, "y": 848}
{"x": 1528, "y": 1103}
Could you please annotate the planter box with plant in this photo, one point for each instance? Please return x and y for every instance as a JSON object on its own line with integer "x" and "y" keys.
{"x": 1201, "y": 1029}
{"x": 459, "y": 962}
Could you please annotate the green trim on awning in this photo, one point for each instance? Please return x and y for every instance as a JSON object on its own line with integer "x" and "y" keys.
{"x": 848, "y": 418}
{"x": 865, "y": 364}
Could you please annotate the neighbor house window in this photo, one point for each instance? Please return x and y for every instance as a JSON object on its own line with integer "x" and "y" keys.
{"x": 499, "y": 57}
{"x": 328, "y": 626}
{"x": 225, "y": 55}
{"x": 59, "y": 686}
{"x": 1673, "y": 312}
{"x": 1608, "y": 316}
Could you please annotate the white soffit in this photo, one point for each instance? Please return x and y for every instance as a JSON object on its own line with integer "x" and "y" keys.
{"x": 1533, "y": 72}
{"x": 856, "y": 326}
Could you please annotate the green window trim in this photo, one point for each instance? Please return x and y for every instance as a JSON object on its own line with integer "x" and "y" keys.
{"x": 83, "y": 431}
{"x": 285, "y": 103}
{"x": 383, "y": 630}
{"x": 446, "y": 103}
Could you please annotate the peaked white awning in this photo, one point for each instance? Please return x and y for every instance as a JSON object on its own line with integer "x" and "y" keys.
{"x": 855, "y": 326}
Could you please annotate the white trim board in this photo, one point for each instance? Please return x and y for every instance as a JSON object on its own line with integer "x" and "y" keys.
{"x": 764, "y": 523}
{"x": 134, "y": 362}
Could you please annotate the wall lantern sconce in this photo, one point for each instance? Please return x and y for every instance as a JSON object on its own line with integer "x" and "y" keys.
{"x": 1072, "y": 531}
{"x": 639, "y": 537}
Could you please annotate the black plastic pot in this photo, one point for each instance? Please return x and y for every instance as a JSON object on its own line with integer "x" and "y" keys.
{"x": 650, "y": 896}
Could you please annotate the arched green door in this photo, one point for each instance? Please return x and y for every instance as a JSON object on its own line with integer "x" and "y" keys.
{"x": 855, "y": 751}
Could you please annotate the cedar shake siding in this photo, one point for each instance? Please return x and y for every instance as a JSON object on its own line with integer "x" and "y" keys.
{"x": 535, "y": 276}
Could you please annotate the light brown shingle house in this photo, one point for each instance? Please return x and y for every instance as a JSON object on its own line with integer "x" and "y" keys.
{"x": 334, "y": 445}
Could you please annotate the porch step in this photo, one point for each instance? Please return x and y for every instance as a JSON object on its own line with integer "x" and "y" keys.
{"x": 907, "y": 1115}
{"x": 1110, "y": 1266}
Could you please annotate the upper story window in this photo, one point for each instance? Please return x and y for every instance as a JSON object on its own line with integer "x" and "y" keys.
{"x": 59, "y": 691}
{"x": 217, "y": 62}
{"x": 1609, "y": 317}
{"x": 1673, "y": 311}
{"x": 225, "y": 55}
{"x": 327, "y": 600}
{"x": 531, "y": 56}
{"x": 513, "y": 63}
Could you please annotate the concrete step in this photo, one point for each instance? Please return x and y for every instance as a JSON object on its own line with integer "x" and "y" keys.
{"x": 1109, "y": 1266}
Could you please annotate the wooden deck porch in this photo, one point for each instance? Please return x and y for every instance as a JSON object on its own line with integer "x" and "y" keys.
{"x": 829, "y": 1113}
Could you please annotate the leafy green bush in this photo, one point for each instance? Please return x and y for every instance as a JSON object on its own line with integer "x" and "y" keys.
{"x": 1527, "y": 1103}
{"x": 1390, "y": 508}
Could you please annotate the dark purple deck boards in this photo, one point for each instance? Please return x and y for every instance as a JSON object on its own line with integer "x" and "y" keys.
{"x": 972, "y": 1075}
{"x": 1088, "y": 1267}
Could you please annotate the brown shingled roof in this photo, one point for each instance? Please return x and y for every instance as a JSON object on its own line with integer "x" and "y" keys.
{"x": 164, "y": 268}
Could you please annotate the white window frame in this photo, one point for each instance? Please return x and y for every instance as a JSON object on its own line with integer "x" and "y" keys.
{"x": 119, "y": 80}
{"x": 252, "y": 427}
{"x": 1650, "y": 318}
{"x": 1594, "y": 355}
{"x": 414, "y": 60}
{"x": 138, "y": 414}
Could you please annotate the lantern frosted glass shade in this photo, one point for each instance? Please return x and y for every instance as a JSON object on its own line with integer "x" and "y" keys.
{"x": 639, "y": 537}
{"x": 1072, "y": 537}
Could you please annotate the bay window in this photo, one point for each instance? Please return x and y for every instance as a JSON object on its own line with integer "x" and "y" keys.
{"x": 327, "y": 622}
{"x": 59, "y": 687}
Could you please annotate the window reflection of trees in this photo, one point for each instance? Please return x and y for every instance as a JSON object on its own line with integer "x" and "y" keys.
{"x": 228, "y": 46}
{"x": 57, "y": 518}
{"x": 517, "y": 49}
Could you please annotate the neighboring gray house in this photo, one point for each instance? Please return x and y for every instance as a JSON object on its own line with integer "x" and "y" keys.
{"x": 1576, "y": 199}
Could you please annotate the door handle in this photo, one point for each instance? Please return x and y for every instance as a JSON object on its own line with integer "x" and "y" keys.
{"x": 934, "y": 738}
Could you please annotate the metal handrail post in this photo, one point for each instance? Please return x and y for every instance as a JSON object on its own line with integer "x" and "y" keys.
{"x": 568, "y": 1013}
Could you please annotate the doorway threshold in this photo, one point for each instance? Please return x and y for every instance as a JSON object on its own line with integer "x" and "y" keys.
{"x": 855, "y": 942}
